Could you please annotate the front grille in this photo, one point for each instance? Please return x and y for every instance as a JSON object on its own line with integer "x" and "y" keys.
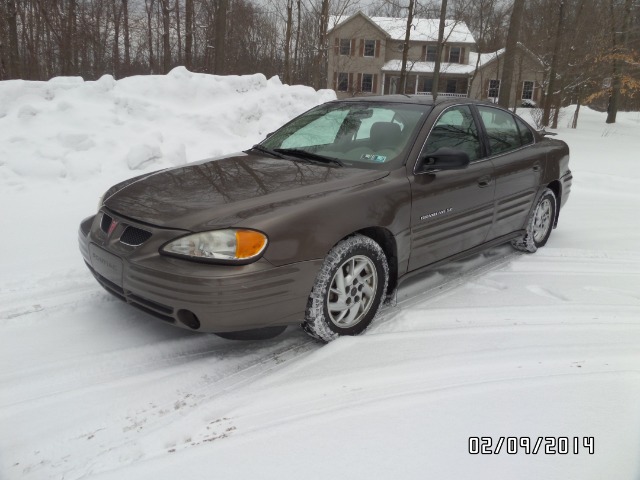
{"x": 134, "y": 236}
{"x": 105, "y": 223}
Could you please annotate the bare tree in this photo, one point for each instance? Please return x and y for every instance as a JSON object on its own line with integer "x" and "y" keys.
{"x": 14, "y": 62}
{"x": 551, "y": 96}
{"x": 510, "y": 54}
{"x": 617, "y": 64}
{"x": 436, "y": 68}
{"x": 405, "y": 47}
{"x": 221, "y": 30}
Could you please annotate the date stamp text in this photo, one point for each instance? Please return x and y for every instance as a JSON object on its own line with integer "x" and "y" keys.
{"x": 531, "y": 445}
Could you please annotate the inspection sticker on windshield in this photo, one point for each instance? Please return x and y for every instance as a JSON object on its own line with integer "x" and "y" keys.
{"x": 373, "y": 158}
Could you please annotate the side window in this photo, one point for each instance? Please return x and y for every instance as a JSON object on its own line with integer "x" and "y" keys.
{"x": 526, "y": 136}
{"x": 457, "y": 129}
{"x": 501, "y": 129}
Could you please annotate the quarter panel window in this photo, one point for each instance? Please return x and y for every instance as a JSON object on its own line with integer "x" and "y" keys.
{"x": 457, "y": 129}
{"x": 526, "y": 135}
{"x": 501, "y": 129}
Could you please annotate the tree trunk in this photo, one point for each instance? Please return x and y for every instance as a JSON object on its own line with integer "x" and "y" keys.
{"x": 618, "y": 66}
{"x": 504, "y": 95}
{"x": 149, "y": 7}
{"x": 116, "y": 38}
{"x": 436, "y": 69}
{"x": 188, "y": 29}
{"x": 14, "y": 59}
{"x": 296, "y": 66}
{"x": 127, "y": 40}
{"x": 551, "y": 92}
{"x": 405, "y": 48}
{"x": 178, "y": 31}
{"x": 287, "y": 43}
{"x": 321, "y": 54}
{"x": 574, "y": 123}
{"x": 221, "y": 32}
{"x": 166, "y": 45}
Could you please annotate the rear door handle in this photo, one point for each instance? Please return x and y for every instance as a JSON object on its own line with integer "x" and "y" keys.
{"x": 484, "y": 181}
{"x": 536, "y": 167}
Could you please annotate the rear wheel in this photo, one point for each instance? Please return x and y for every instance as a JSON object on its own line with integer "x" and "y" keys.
{"x": 349, "y": 289}
{"x": 539, "y": 225}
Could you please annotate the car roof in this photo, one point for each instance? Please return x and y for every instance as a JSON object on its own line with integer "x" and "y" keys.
{"x": 414, "y": 99}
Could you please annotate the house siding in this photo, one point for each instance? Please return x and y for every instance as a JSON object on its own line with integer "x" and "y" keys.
{"x": 357, "y": 29}
{"x": 526, "y": 69}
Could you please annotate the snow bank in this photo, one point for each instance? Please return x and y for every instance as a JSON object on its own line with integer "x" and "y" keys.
{"x": 69, "y": 128}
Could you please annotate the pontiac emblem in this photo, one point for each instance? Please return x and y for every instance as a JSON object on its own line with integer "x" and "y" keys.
{"x": 112, "y": 227}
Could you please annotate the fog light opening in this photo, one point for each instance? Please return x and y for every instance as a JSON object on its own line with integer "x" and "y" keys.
{"x": 189, "y": 319}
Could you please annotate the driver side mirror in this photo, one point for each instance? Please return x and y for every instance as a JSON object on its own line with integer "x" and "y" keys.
{"x": 443, "y": 159}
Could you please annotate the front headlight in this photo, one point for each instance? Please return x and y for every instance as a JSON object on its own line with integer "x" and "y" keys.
{"x": 219, "y": 246}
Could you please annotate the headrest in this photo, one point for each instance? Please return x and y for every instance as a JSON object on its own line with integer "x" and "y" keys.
{"x": 385, "y": 134}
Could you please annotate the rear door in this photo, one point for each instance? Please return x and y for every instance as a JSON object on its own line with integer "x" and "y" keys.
{"x": 452, "y": 211}
{"x": 518, "y": 164}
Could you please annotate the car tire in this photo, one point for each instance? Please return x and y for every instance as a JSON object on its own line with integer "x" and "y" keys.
{"x": 539, "y": 224}
{"x": 341, "y": 303}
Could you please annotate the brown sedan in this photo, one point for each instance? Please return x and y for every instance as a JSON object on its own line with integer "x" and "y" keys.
{"x": 317, "y": 224}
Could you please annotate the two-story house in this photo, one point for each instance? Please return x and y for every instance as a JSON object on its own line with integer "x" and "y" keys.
{"x": 365, "y": 58}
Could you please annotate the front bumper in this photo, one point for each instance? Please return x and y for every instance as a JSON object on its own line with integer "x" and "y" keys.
{"x": 203, "y": 297}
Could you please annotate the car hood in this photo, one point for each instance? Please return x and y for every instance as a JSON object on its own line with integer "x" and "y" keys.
{"x": 222, "y": 192}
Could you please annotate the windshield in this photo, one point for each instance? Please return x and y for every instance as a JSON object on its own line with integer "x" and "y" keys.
{"x": 365, "y": 135}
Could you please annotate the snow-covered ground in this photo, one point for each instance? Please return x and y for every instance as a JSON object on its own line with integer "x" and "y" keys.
{"x": 499, "y": 345}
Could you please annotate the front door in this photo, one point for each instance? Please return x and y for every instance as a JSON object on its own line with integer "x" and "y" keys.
{"x": 452, "y": 211}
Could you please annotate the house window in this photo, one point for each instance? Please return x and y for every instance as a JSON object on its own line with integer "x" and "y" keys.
{"x": 343, "y": 82}
{"x": 367, "y": 82}
{"x": 432, "y": 53}
{"x": 369, "y": 48}
{"x": 527, "y": 90}
{"x": 427, "y": 85}
{"x": 452, "y": 86}
{"x": 494, "y": 88}
{"x": 455, "y": 54}
{"x": 345, "y": 46}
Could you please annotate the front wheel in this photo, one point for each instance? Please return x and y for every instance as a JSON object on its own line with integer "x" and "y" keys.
{"x": 539, "y": 225}
{"x": 349, "y": 289}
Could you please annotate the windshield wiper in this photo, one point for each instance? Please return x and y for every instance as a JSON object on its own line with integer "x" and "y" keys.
{"x": 297, "y": 152}
{"x": 263, "y": 149}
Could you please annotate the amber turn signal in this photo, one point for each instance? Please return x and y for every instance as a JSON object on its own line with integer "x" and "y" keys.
{"x": 249, "y": 243}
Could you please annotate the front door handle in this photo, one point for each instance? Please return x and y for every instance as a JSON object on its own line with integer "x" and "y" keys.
{"x": 484, "y": 181}
{"x": 536, "y": 167}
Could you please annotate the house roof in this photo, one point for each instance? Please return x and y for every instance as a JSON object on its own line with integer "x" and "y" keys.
{"x": 423, "y": 29}
{"x": 428, "y": 67}
{"x": 486, "y": 58}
